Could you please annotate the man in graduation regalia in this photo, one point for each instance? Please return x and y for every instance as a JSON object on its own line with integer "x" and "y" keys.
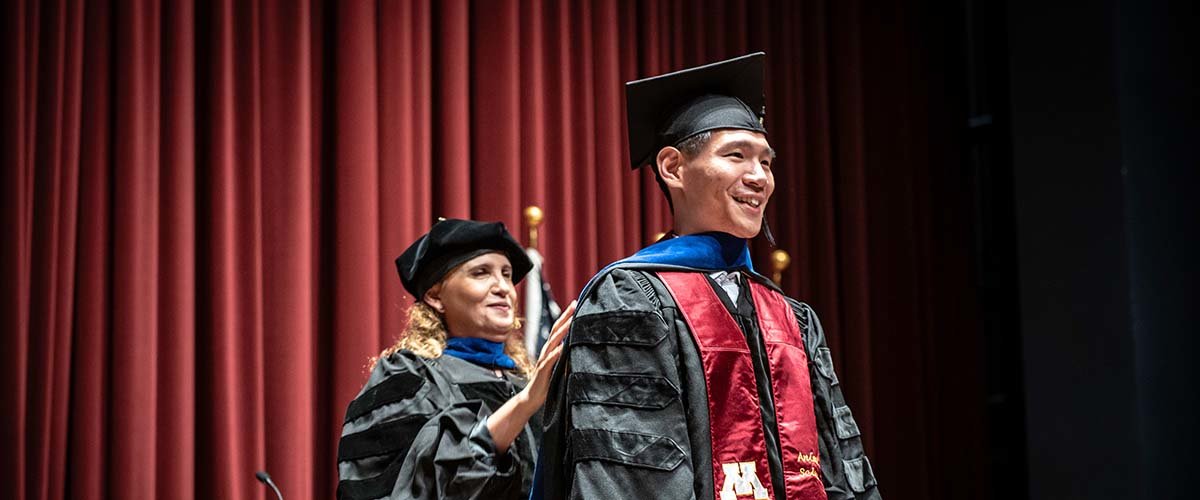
{"x": 687, "y": 374}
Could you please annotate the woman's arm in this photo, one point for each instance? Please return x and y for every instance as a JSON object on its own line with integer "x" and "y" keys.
{"x": 508, "y": 420}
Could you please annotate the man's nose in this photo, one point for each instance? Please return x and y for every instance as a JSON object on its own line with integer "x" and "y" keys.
{"x": 757, "y": 176}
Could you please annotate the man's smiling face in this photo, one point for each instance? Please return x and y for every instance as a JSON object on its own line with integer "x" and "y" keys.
{"x": 726, "y": 186}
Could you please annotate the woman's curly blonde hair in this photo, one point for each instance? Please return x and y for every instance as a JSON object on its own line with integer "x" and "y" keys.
{"x": 425, "y": 336}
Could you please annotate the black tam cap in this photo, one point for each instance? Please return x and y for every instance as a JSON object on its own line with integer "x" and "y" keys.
{"x": 451, "y": 242}
{"x": 666, "y": 109}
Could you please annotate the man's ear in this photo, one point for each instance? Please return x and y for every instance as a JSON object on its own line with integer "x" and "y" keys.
{"x": 433, "y": 298}
{"x": 669, "y": 162}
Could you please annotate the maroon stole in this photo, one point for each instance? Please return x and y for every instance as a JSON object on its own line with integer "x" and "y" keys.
{"x": 739, "y": 450}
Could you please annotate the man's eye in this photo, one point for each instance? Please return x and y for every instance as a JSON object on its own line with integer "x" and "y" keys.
{"x": 736, "y": 154}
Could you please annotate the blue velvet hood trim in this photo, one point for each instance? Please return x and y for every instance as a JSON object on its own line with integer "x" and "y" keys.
{"x": 479, "y": 351}
{"x": 708, "y": 252}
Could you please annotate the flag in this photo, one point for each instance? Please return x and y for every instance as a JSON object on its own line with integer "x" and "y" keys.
{"x": 540, "y": 309}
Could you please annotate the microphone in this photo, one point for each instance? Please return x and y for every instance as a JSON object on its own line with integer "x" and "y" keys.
{"x": 265, "y": 478}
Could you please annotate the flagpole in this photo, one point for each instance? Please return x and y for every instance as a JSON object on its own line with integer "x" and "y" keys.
{"x": 533, "y": 284}
{"x": 779, "y": 261}
{"x": 533, "y": 217}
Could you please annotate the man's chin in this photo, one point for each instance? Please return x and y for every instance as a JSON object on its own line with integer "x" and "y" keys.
{"x": 736, "y": 232}
{"x": 748, "y": 230}
{"x": 737, "y": 228}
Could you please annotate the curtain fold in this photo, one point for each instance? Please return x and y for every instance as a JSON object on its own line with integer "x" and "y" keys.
{"x": 202, "y": 202}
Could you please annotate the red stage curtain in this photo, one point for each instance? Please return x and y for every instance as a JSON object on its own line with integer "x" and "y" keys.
{"x": 202, "y": 201}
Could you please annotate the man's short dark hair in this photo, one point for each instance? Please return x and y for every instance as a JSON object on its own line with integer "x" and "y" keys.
{"x": 690, "y": 147}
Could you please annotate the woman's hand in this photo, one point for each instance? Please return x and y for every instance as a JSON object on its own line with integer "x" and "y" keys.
{"x": 539, "y": 382}
{"x": 508, "y": 420}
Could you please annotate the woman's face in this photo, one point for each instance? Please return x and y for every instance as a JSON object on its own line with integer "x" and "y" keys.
{"x": 477, "y": 298}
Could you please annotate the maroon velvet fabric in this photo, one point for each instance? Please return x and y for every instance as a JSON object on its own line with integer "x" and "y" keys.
{"x": 735, "y": 414}
{"x": 734, "y": 409}
{"x": 790, "y": 383}
{"x": 201, "y": 202}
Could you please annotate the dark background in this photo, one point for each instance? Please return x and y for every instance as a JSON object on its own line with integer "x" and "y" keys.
{"x": 1088, "y": 244}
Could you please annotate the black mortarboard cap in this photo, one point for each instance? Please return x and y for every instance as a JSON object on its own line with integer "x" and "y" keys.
{"x": 666, "y": 109}
{"x": 451, "y": 242}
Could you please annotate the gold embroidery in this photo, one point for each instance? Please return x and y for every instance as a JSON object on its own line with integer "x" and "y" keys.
{"x": 810, "y": 465}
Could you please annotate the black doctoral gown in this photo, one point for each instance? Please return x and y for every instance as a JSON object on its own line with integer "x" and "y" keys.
{"x": 627, "y": 415}
{"x": 417, "y": 430}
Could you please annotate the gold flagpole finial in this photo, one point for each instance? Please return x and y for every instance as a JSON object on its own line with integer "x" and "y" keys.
{"x": 779, "y": 261}
{"x": 533, "y": 217}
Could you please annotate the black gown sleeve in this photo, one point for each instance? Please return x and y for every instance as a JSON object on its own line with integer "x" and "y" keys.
{"x": 617, "y": 426}
{"x": 409, "y": 436}
{"x": 846, "y": 472}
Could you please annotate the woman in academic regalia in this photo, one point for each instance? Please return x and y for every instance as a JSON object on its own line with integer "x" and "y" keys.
{"x": 447, "y": 410}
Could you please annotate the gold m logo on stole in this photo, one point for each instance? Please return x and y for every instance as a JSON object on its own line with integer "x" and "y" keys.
{"x": 741, "y": 479}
